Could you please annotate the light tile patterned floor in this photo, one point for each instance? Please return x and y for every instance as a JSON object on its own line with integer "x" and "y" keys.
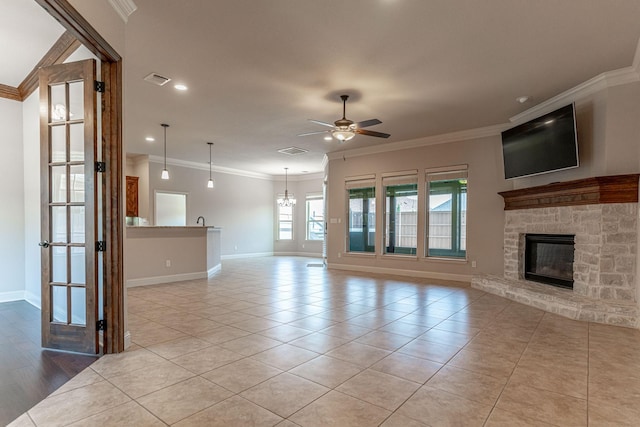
{"x": 273, "y": 341}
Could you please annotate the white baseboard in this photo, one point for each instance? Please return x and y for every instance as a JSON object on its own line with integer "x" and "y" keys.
{"x": 302, "y": 254}
{"x": 213, "y": 270}
{"x": 12, "y": 296}
{"x": 33, "y": 299}
{"x": 400, "y": 272}
{"x": 156, "y": 280}
{"x": 253, "y": 255}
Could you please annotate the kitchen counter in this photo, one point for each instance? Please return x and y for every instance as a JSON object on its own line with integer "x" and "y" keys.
{"x": 164, "y": 254}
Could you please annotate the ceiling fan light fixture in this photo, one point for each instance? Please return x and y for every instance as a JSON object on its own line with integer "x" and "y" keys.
{"x": 343, "y": 134}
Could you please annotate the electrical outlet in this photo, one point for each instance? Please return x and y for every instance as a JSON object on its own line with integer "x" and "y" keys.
{"x": 167, "y": 263}
{"x": 235, "y": 248}
{"x": 473, "y": 264}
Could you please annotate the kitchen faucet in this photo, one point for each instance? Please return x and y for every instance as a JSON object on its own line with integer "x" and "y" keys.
{"x": 198, "y": 220}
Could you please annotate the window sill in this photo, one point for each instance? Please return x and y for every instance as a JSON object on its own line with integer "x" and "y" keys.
{"x": 445, "y": 260}
{"x": 400, "y": 257}
{"x": 359, "y": 254}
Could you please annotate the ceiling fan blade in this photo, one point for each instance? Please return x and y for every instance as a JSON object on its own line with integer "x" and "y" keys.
{"x": 367, "y": 123}
{"x": 321, "y": 123}
{"x": 313, "y": 133}
{"x": 372, "y": 133}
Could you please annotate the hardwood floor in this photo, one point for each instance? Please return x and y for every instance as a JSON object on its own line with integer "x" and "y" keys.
{"x": 29, "y": 373}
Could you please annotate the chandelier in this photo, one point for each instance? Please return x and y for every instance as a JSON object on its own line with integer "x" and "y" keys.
{"x": 286, "y": 201}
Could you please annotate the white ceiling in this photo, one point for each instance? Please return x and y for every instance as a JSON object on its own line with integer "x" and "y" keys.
{"x": 258, "y": 70}
{"x": 26, "y": 34}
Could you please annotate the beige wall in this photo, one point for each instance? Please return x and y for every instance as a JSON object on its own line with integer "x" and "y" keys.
{"x": 104, "y": 19}
{"x": 300, "y": 186}
{"x": 149, "y": 248}
{"x": 609, "y": 134}
{"x": 139, "y": 166}
{"x": 242, "y": 206}
{"x": 485, "y": 214}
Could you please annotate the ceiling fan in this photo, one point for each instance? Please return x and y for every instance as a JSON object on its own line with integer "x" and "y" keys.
{"x": 345, "y": 129}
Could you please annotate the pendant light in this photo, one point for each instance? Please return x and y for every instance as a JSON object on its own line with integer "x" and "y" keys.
{"x": 211, "y": 183}
{"x": 165, "y": 172}
{"x": 286, "y": 201}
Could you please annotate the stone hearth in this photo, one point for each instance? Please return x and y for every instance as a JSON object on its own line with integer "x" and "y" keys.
{"x": 602, "y": 213}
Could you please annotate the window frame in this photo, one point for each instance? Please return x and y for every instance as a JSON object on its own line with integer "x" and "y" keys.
{"x": 279, "y": 221}
{"x": 401, "y": 181}
{"x": 458, "y": 223}
{"x": 311, "y": 198}
{"x": 367, "y": 186}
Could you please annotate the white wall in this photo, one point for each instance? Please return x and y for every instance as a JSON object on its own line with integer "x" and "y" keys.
{"x": 242, "y": 206}
{"x": 12, "y": 213}
{"x": 32, "y": 217}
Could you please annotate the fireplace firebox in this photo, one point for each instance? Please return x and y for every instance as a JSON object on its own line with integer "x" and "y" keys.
{"x": 548, "y": 258}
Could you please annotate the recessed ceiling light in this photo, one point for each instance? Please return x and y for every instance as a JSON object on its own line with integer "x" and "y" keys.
{"x": 150, "y": 139}
{"x": 523, "y": 99}
{"x": 328, "y": 138}
{"x": 180, "y": 87}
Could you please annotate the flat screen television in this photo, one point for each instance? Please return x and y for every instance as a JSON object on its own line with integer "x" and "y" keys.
{"x": 546, "y": 144}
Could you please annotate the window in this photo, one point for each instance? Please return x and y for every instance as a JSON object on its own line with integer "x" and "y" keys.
{"x": 401, "y": 214}
{"x": 171, "y": 208}
{"x": 447, "y": 214}
{"x": 315, "y": 217}
{"x": 285, "y": 222}
{"x": 362, "y": 216}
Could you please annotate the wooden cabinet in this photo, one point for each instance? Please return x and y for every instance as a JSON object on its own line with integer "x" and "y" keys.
{"x": 132, "y": 196}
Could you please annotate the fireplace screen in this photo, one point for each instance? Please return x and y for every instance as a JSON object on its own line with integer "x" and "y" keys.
{"x": 549, "y": 259}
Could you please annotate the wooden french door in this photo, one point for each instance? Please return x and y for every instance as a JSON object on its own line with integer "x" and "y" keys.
{"x": 69, "y": 215}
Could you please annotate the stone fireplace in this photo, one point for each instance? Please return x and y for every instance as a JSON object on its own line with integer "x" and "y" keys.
{"x": 602, "y": 216}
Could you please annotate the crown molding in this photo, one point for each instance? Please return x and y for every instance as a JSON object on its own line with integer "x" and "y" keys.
{"x": 600, "y": 82}
{"x": 10, "y": 92}
{"x": 232, "y": 171}
{"x": 124, "y": 8}
{"x": 214, "y": 168}
{"x": 422, "y": 142}
{"x": 304, "y": 177}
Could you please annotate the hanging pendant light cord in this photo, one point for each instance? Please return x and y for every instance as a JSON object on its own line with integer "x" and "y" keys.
{"x": 165, "y": 126}
{"x": 210, "y": 145}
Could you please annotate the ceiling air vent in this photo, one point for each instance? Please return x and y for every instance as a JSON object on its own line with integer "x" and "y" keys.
{"x": 292, "y": 151}
{"x": 157, "y": 79}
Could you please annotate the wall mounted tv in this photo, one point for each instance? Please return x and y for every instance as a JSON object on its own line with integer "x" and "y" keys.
{"x": 546, "y": 144}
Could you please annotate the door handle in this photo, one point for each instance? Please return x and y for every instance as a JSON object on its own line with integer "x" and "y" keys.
{"x": 44, "y": 244}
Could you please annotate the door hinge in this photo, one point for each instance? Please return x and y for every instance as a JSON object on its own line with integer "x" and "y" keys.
{"x": 101, "y": 167}
{"x": 101, "y": 325}
{"x": 101, "y": 246}
{"x": 98, "y": 86}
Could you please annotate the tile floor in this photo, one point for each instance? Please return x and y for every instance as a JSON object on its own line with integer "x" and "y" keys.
{"x": 273, "y": 341}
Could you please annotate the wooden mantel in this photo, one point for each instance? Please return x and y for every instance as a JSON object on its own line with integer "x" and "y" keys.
{"x": 589, "y": 191}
